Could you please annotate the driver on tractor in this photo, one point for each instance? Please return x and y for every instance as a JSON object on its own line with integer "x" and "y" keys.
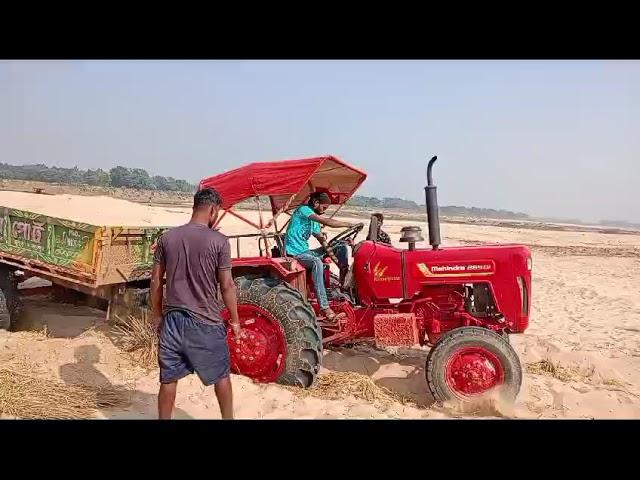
{"x": 306, "y": 221}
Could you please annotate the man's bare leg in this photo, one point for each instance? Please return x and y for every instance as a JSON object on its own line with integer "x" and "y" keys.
{"x": 224, "y": 393}
{"x": 166, "y": 400}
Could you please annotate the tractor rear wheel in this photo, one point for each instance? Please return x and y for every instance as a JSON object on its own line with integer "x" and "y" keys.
{"x": 9, "y": 298}
{"x": 282, "y": 342}
{"x": 469, "y": 361}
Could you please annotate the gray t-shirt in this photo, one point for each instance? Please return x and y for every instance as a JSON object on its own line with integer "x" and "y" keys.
{"x": 192, "y": 255}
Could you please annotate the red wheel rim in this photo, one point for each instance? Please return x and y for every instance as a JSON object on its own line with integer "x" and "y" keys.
{"x": 261, "y": 353}
{"x": 473, "y": 370}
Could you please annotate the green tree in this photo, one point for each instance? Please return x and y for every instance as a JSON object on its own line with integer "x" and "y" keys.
{"x": 119, "y": 176}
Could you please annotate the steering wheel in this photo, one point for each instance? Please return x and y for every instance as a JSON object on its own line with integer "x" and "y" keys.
{"x": 350, "y": 233}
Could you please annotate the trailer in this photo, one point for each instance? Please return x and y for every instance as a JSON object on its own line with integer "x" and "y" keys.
{"x": 109, "y": 264}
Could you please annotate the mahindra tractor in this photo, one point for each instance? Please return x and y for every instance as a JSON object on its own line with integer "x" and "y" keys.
{"x": 462, "y": 302}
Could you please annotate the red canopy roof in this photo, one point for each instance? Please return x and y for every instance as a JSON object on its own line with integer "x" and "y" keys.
{"x": 280, "y": 180}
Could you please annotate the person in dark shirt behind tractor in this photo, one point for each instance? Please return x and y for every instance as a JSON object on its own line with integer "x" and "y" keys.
{"x": 383, "y": 237}
{"x": 192, "y": 334}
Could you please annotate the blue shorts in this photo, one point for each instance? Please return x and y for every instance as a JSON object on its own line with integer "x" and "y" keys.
{"x": 187, "y": 345}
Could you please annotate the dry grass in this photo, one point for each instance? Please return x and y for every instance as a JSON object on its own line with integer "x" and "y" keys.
{"x": 618, "y": 386}
{"x": 138, "y": 337}
{"x": 31, "y": 397}
{"x": 337, "y": 385}
{"x": 550, "y": 369}
{"x": 614, "y": 382}
{"x": 45, "y": 331}
{"x": 37, "y": 335}
{"x": 555, "y": 370}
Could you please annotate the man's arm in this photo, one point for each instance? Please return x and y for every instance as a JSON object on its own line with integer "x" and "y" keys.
{"x": 323, "y": 241}
{"x": 157, "y": 283}
{"x": 228, "y": 287}
{"x": 330, "y": 222}
{"x": 157, "y": 280}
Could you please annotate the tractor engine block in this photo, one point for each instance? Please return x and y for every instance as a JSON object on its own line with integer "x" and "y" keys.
{"x": 444, "y": 307}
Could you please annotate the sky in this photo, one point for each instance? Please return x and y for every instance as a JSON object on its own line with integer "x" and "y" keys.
{"x": 549, "y": 138}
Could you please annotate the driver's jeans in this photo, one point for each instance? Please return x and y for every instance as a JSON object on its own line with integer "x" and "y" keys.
{"x": 312, "y": 261}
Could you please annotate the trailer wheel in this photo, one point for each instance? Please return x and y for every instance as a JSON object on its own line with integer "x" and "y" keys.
{"x": 469, "y": 361}
{"x": 10, "y": 304}
{"x": 283, "y": 343}
{"x": 131, "y": 301}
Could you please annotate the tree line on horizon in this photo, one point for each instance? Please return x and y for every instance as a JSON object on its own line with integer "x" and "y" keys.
{"x": 451, "y": 210}
{"x": 138, "y": 178}
{"x": 119, "y": 176}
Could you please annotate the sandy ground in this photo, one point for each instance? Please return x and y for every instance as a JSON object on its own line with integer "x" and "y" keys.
{"x": 95, "y": 210}
{"x": 585, "y": 318}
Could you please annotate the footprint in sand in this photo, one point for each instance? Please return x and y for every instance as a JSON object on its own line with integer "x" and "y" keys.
{"x": 629, "y": 329}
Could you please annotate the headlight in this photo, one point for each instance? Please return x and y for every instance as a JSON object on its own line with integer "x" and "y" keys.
{"x": 529, "y": 263}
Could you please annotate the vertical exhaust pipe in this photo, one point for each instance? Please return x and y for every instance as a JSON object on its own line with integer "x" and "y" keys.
{"x": 431, "y": 198}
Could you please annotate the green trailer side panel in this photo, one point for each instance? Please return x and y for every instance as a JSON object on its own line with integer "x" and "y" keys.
{"x": 83, "y": 253}
{"x": 72, "y": 244}
{"x": 47, "y": 239}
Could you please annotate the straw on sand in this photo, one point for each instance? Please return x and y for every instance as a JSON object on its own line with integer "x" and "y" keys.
{"x": 27, "y": 396}
{"x": 139, "y": 337}
{"x": 335, "y": 385}
{"x": 555, "y": 370}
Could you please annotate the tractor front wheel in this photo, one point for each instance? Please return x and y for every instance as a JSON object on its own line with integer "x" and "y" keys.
{"x": 469, "y": 361}
{"x": 281, "y": 340}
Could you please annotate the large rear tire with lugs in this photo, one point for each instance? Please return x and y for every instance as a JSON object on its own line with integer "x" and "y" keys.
{"x": 10, "y": 304}
{"x": 470, "y": 361}
{"x": 281, "y": 340}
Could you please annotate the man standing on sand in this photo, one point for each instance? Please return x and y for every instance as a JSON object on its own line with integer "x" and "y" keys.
{"x": 193, "y": 336}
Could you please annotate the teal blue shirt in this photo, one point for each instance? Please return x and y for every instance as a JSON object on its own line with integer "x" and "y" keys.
{"x": 300, "y": 229}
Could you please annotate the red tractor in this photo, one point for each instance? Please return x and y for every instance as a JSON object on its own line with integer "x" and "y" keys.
{"x": 461, "y": 301}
